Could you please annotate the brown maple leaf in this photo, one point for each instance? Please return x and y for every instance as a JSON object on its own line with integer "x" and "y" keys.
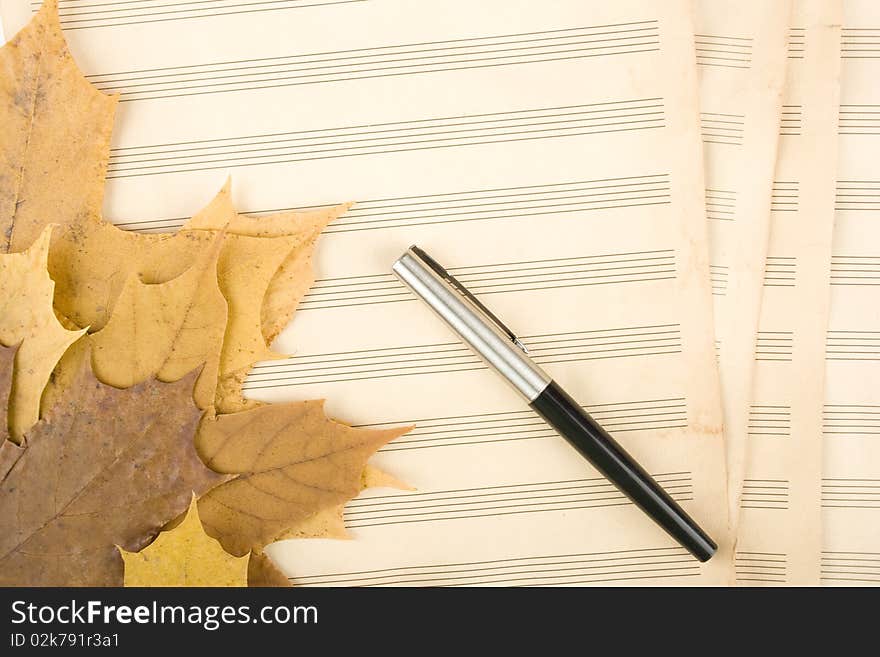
{"x": 263, "y": 573}
{"x": 292, "y": 461}
{"x": 104, "y": 467}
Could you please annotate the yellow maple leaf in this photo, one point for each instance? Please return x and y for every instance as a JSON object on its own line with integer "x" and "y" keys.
{"x": 295, "y": 275}
{"x": 184, "y": 556}
{"x": 265, "y": 270}
{"x": 44, "y": 102}
{"x": 166, "y": 330}
{"x": 254, "y": 254}
{"x": 10, "y": 452}
{"x": 92, "y": 261}
{"x": 26, "y": 317}
{"x": 162, "y": 330}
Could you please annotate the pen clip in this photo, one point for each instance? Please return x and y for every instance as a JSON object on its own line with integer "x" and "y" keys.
{"x": 454, "y": 282}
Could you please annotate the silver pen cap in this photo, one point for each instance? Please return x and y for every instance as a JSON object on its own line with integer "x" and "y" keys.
{"x": 475, "y": 324}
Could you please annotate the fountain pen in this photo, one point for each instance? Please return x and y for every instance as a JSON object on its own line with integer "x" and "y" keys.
{"x": 503, "y": 352}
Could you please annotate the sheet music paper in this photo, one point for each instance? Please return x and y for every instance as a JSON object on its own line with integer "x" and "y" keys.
{"x": 851, "y": 419}
{"x": 780, "y": 528}
{"x": 549, "y": 154}
{"x": 741, "y": 56}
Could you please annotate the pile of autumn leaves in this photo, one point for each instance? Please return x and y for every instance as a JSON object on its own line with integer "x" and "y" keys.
{"x": 122, "y": 359}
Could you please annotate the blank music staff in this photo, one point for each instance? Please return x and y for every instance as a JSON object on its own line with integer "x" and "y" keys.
{"x": 508, "y": 203}
{"x": 791, "y": 121}
{"x": 505, "y": 500}
{"x": 780, "y": 271}
{"x": 721, "y": 204}
{"x": 511, "y": 426}
{"x": 553, "y": 273}
{"x": 381, "y": 61}
{"x": 857, "y": 196}
{"x": 545, "y": 570}
{"x": 382, "y": 138}
{"x": 857, "y": 270}
{"x": 853, "y": 345}
{"x": 770, "y": 420}
{"x": 852, "y": 567}
{"x": 860, "y": 43}
{"x": 851, "y": 420}
{"x": 723, "y": 51}
{"x": 860, "y": 119}
{"x": 774, "y": 346}
{"x": 850, "y": 493}
{"x": 718, "y": 277}
{"x": 722, "y": 128}
{"x": 81, "y": 14}
{"x": 767, "y": 567}
{"x": 446, "y": 357}
{"x": 785, "y": 196}
{"x": 765, "y": 494}
{"x": 797, "y": 42}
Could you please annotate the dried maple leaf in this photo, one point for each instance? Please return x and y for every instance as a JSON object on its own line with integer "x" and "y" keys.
{"x": 295, "y": 275}
{"x": 91, "y": 262}
{"x": 55, "y": 141}
{"x": 166, "y": 330}
{"x": 26, "y": 317}
{"x": 292, "y": 461}
{"x": 265, "y": 269}
{"x": 330, "y": 522}
{"x": 7, "y": 358}
{"x": 9, "y": 451}
{"x": 184, "y": 556}
{"x": 326, "y": 523}
{"x": 104, "y": 467}
{"x": 263, "y": 573}
{"x": 161, "y": 330}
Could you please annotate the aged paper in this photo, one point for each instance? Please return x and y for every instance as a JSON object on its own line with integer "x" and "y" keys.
{"x": 549, "y": 154}
{"x": 851, "y": 419}
{"x": 780, "y": 528}
{"x": 741, "y": 54}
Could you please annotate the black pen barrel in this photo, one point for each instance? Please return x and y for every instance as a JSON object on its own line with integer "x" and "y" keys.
{"x": 609, "y": 458}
